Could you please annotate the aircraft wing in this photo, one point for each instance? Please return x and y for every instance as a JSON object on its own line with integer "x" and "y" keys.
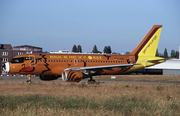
{"x": 100, "y": 67}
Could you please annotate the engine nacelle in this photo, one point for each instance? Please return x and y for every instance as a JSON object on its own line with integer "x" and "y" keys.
{"x": 48, "y": 77}
{"x": 72, "y": 76}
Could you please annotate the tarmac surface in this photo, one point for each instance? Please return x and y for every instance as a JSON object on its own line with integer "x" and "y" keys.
{"x": 23, "y": 79}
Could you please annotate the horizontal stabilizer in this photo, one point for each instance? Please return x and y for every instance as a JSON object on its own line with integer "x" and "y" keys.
{"x": 157, "y": 60}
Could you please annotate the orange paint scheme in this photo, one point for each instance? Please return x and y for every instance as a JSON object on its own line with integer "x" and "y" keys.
{"x": 51, "y": 64}
{"x": 75, "y": 67}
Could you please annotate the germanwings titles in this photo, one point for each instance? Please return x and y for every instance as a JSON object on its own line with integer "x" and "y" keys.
{"x": 75, "y": 67}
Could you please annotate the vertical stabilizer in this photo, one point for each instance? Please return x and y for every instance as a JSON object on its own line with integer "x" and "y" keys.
{"x": 148, "y": 45}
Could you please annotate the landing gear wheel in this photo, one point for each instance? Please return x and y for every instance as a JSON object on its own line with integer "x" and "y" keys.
{"x": 28, "y": 81}
{"x": 91, "y": 81}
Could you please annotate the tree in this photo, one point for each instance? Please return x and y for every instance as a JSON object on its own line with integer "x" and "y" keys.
{"x": 74, "y": 49}
{"x": 95, "y": 50}
{"x": 107, "y": 49}
{"x": 157, "y": 53}
{"x": 79, "y": 49}
{"x": 165, "y": 53}
{"x": 173, "y": 54}
{"x": 161, "y": 55}
{"x": 177, "y": 55}
{"x": 127, "y": 52}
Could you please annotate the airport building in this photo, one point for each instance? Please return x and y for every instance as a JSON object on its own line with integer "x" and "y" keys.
{"x": 7, "y": 52}
{"x": 169, "y": 67}
{"x": 28, "y": 49}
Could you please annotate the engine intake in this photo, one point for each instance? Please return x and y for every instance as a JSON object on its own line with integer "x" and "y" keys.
{"x": 72, "y": 76}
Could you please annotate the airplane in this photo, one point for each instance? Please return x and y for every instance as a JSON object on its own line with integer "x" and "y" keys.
{"x": 73, "y": 67}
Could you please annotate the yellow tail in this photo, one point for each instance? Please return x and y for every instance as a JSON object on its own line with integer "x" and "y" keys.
{"x": 148, "y": 45}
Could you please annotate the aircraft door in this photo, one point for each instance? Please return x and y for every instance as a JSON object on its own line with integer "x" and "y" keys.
{"x": 32, "y": 61}
{"x": 132, "y": 59}
{"x": 75, "y": 62}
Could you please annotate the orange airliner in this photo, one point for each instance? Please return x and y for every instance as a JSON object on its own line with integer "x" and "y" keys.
{"x": 74, "y": 67}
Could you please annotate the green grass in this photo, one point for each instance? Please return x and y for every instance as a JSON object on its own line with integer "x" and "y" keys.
{"x": 141, "y": 80}
{"x": 121, "y": 106}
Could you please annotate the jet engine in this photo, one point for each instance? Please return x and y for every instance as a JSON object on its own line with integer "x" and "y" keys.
{"x": 48, "y": 77}
{"x": 72, "y": 76}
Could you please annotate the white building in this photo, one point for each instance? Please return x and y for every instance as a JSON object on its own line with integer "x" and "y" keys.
{"x": 60, "y": 52}
{"x": 170, "y": 67}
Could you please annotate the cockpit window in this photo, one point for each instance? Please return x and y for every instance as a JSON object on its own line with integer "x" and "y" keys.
{"x": 17, "y": 60}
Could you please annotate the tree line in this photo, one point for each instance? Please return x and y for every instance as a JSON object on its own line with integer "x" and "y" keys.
{"x": 174, "y": 54}
{"x": 107, "y": 50}
{"x": 78, "y": 49}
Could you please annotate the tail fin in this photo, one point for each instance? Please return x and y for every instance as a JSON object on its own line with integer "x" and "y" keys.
{"x": 148, "y": 45}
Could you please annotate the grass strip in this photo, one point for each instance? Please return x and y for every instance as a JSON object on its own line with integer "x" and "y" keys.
{"x": 122, "y": 105}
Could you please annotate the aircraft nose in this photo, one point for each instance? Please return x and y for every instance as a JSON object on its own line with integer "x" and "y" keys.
{"x": 6, "y": 67}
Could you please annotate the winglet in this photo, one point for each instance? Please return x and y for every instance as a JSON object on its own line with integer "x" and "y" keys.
{"x": 148, "y": 45}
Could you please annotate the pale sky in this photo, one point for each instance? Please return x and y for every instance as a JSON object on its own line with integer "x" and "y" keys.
{"x": 59, "y": 24}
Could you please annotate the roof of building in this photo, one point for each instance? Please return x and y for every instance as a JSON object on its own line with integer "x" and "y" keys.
{"x": 169, "y": 64}
{"x": 27, "y": 46}
{"x": 5, "y": 46}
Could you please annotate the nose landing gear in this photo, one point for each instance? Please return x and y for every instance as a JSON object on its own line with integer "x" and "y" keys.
{"x": 29, "y": 79}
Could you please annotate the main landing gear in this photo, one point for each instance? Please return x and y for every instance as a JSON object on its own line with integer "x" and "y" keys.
{"x": 29, "y": 79}
{"x": 91, "y": 80}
